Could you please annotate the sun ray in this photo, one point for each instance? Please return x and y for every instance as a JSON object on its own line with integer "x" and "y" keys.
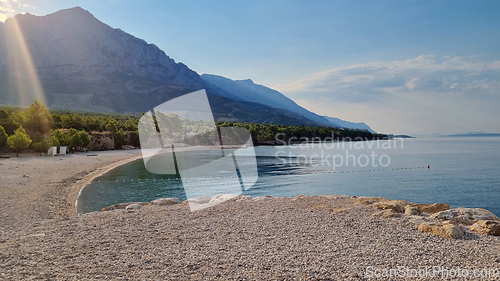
{"x": 24, "y": 80}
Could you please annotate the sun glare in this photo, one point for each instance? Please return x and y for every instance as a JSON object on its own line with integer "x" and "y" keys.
{"x": 24, "y": 78}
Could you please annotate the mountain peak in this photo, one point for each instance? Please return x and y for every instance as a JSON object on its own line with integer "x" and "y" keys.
{"x": 22, "y": 16}
{"x": 75, "y": 13}
{"x": 249, "y": 81}
{"x": 77, "y": 55}
{"x": 76, "y": 9}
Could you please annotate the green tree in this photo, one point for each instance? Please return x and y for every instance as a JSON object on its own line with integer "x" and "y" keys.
{"x": 3, "y": 114}
{"x": 73, "y": 139}
{"x": 93, "y": 123}
{"x": 54, "y": 141}
{"x": 119, "y": 136}
{"x": 3, "y": 137}
{"x": 18, "y": 118}
{"x": 37, "y": 137}
{"x": 77, "y": 139}
{"x": 111, "y": 127}
{"x": 67, "y": 121}
{"x": 58, "y": 138}
{"x": 37, "y": 119}
{"x": 40, "y": 142}
{"x": 42, "y": 146}
{"x": 19, "y": 140}
{"x": 7, "y": 121}
{"x": 134, "y": 139}
{"x": 84, "y": 137}
{"x": 120, "y": 139}
{"x": 130, "y": 125}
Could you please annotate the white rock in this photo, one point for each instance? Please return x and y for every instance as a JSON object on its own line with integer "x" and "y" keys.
{"x": 221, "y": 198}
{"x": 467, "y": 216}
{"x": 200, "y": 200}
{"x": 123, "y": 206}
{"x": 166, "y": 201}
{"x": 263, "y": 198}
{"x": 133, "y": 207}
{"x": 207, "y": 201}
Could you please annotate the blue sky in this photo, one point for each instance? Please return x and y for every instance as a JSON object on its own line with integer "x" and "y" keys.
{"x": 400, "y": 66}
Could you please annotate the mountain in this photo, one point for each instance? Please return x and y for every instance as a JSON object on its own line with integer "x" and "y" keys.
{"x": 347, "y": 124}
{"x": 247, "y": 90}
{"x": 71, "y": 60}
{"x": 84, "y": 64}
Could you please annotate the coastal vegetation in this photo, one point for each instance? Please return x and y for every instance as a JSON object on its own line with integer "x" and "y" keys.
{"x": 39, "y": 128}
{"x": 276, "y": 134}
{"x": 19, "y": 140}
{"x": 3, "y": 137}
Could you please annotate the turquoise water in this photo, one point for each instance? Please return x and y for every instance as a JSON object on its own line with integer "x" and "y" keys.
{"x": 463, "y": 172}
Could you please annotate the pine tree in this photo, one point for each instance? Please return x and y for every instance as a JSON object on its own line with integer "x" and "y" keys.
{"x": 19, "y": 140}
{"x": 3, "y": 137}
{"x": 37, "y": 119}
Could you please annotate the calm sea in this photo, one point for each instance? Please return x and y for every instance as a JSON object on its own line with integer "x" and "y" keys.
{"x": 463, "y": 172}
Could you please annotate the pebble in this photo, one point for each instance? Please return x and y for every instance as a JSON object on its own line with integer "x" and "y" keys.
{"x": 274, "y": 239}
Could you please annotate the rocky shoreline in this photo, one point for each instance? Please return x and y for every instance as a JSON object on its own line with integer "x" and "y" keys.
{"x": 435, "y": 218}
{"x": 263, "y": 238}
{"x": 228, "y": 238}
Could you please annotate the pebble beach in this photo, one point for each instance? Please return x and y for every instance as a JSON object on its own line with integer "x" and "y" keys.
{"x": 266, "y": 238}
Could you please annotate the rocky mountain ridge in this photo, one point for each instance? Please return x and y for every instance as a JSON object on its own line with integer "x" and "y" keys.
{"x": 76, "y": 62}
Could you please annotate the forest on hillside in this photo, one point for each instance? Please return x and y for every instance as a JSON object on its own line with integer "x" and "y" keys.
{"x": 36, "y": 128}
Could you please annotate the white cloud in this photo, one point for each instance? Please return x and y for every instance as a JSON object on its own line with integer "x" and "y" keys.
{"x": 357, "y": 82}
{"x": 425, "y": 94}
{"x": 412, "y": 84}
{"x": 9, "y": 8}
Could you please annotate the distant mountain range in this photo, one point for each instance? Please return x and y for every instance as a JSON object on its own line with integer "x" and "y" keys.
{"x": 473, "y": 134}
{"x": 84, "y": 64}
{"x": 469, "y": 134}
{"x": 247, "y": 90}
{"x": 347, "y": 124}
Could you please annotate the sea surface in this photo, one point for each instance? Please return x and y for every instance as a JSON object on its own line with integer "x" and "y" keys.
{"x": 462, "y": 172}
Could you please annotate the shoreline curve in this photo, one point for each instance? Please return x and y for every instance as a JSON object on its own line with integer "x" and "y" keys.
{"x": 85, "y": 181}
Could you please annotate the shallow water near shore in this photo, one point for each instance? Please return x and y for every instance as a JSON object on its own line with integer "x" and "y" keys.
{"x": 464, "y": 172}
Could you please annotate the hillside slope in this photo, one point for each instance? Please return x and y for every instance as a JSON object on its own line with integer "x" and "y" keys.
{"x": 84, "y": 64}
{"x": 247, "y": 90}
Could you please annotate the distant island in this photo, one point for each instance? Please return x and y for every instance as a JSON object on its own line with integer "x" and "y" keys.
{"x": 473, "y": 134}
{"x": 392, "y": 136}
{"x": 469, "y": 134}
